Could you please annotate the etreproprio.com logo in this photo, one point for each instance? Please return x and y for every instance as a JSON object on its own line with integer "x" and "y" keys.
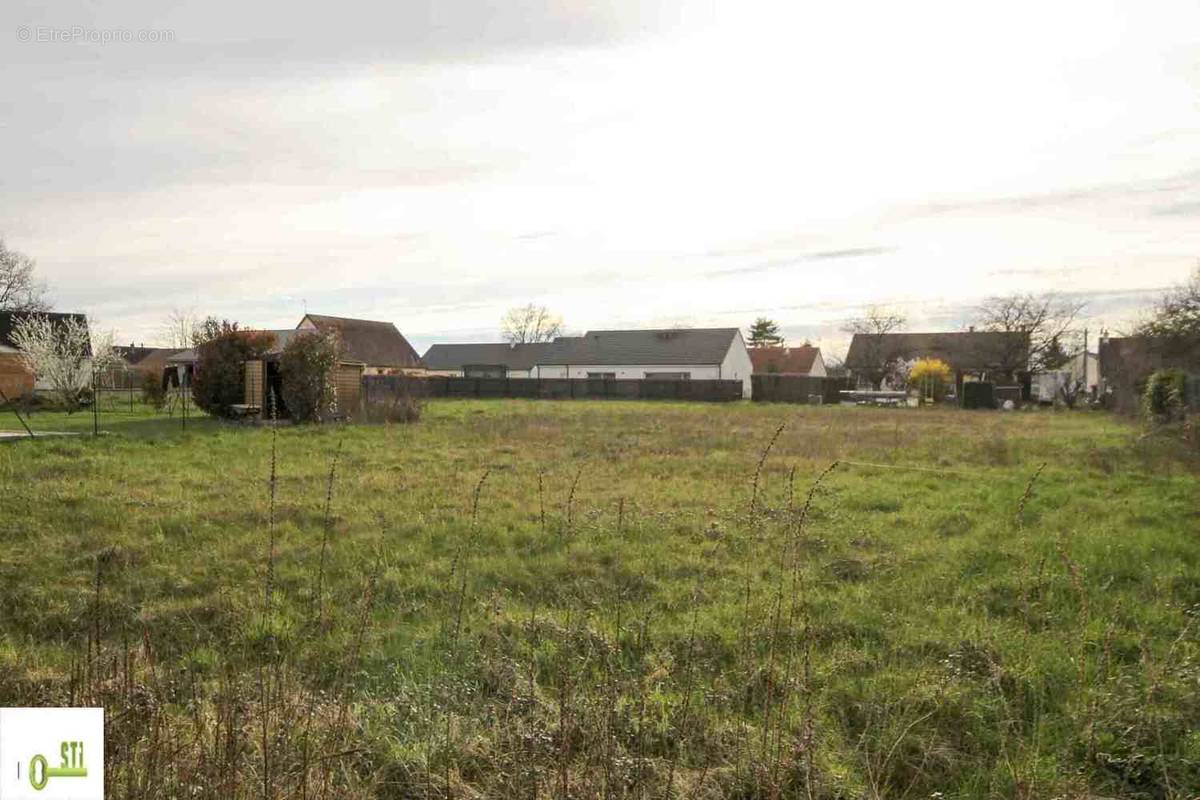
{"x": 43, "y": 34}
{"x": 52, "y": 753}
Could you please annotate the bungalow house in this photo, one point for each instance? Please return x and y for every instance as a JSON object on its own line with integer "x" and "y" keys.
{"x": 485, "y": 359}
{"x": 802, "y": 360}
{"x": 674, "y": 354}
{"x": 984, "y": 355}
{"x": 15, "y": 378}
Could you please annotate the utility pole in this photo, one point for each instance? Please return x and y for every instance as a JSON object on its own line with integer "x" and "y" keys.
{"x": 1087, "y": 386}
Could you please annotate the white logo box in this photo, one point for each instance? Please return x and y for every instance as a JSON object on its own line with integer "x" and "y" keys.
{"x": 64, "y": 748}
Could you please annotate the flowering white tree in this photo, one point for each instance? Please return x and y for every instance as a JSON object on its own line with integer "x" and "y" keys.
{"x": 63, "y": 353}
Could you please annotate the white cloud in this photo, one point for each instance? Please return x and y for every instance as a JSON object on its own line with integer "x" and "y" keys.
{"x": 626, "y": 164}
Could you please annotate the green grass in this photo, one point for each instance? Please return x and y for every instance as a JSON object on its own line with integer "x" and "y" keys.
{"x": 910, "y": 635}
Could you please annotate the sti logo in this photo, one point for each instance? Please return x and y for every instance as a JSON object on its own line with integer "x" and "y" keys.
{"x": 71, "y": 767}
{"x": 51, "y": 754}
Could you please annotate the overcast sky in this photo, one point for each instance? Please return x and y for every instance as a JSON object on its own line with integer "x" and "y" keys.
{"x": 624, "y": 162}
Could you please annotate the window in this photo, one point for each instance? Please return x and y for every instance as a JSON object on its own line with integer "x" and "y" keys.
{"x": 668, "y": 376}
{"x": 604, "y": 376}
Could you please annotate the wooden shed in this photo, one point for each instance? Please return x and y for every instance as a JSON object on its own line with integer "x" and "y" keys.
{"x": 262, "y": 377}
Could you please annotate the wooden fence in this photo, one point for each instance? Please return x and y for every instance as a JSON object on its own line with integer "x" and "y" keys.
{"x": 802, "y": 389}
{"x": 382, "y": 388}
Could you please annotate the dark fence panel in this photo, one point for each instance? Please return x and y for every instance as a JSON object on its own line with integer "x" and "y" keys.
{"x": 381, "y": 388}
{"x": 797, "y": 388}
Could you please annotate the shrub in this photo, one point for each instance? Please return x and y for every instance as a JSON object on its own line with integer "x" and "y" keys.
{"x": 153, "y": 393}
{"x": 931, "y": 376}
{"x": 1165, "y": 397}
{"x": 306, "y": 367}
{"x": 401, "y": 409}
{"x": 222, "y": 351}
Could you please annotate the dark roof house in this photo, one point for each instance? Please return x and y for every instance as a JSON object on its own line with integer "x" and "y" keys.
{"x": 683, "y": 346}
{"x": 9, "y": 320}
{"x": 513, "y": 357}
{"x": 964, "y": 351}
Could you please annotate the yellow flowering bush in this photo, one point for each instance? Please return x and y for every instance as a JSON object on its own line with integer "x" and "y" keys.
{"x": 931, "y": 376}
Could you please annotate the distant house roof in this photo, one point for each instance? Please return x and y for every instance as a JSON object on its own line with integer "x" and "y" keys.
{"x": 282, "y": 337}
{"x": 510, "y": 356}
{"x": 651, "y": 347}
{"x": 784, "y": 360}
{"x": 681, "y": 346}
{"x": 962, "y": 350}
{"x": 9, "y": 320}
{"x": 374, "y": 343}
{"x": 134, "y": 355}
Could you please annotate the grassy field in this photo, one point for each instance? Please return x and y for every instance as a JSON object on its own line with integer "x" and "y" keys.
{"x": 588, "y": 599}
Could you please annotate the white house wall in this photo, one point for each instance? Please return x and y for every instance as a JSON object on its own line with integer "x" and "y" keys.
{"x": 737, "y": 365}
{"x": 818, "y": 367}
{"x": 699, "y": 372}
{"x": 84, "y": 382}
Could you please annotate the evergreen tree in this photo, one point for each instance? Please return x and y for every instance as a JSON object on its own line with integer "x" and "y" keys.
{"x": 764, "y": 333}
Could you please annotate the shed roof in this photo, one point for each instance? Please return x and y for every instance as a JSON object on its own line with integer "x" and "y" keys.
{"x": 373, "y": 342}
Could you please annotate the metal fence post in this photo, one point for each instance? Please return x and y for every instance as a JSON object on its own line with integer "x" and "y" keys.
{"x": 95, "y": 403}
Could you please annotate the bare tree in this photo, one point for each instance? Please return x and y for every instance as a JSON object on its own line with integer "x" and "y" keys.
{"x": 19, "y": 288}
{"x": 835, "y": 367}
{"x": 181, "y": 328}
{"x": 1176, "y": 317}
{"x": 64, "y": 353}
{"x": 872, "y": 360}
{"x": 530, "y": 323}
{"x": 1037, "y": 326}
{"x": 1070, "y": 392}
